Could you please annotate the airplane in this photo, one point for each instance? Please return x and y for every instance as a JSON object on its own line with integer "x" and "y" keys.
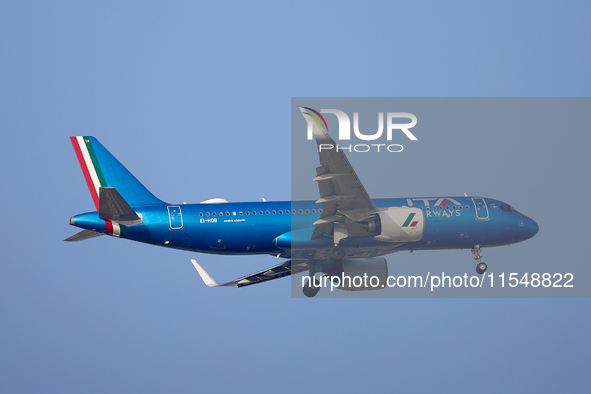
{"x": 344, "y": 232}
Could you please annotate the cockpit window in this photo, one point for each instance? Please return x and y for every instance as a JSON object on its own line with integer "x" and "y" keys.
{"x": 508, "y": 208}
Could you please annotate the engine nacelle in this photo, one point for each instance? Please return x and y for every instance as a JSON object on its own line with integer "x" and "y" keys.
{"x": 398, "y": 224}
{"x": 362, "y": 274}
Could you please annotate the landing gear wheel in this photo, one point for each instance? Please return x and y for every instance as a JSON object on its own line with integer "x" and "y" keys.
{"x": 481, "y": 268}
{"x": 337, "y": 253}
{"x": 310, "y": 291}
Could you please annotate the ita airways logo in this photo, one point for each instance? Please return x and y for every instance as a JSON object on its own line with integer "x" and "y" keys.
{"x": 409, "y": 222}
{"x": 318, "y": 128}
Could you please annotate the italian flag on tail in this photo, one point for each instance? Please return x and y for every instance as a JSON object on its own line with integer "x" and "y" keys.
{"x": 90, "y": 167}
{"x": 95, "y": 179}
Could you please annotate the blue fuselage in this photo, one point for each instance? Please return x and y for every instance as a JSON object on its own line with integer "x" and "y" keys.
{"x": 281, "y": 228}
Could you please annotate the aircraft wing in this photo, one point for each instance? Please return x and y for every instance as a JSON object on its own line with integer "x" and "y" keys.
{"x": 278, "y": 271}
{"x": 345, "y": 202}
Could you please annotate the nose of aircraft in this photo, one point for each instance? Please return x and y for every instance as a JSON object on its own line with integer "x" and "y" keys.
{"x": 530, "y": 228}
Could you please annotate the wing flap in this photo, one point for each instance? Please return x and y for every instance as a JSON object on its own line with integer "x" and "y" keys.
{"x": 345, "y": 202}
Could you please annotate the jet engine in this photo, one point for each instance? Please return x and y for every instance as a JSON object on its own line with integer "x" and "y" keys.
{"x": 360, "y": 274}
{"x": 398, "y": 224}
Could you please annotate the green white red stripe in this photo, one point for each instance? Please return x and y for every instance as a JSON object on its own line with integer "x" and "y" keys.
{"x": 115, "y": 229}
{"x": 90, "y": 166}
{"x": 95, "y": 179}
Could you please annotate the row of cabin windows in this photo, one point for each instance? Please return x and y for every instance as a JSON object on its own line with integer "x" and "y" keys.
{"x": 293, "y": 211}
{"x": 447, "y": 207}
{"x": 247, "y": 213}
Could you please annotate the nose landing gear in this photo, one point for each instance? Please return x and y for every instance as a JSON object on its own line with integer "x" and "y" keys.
{"x": 480, "y": 266}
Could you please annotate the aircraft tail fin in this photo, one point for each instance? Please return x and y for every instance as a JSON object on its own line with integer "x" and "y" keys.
{"x": 102, "y": 169}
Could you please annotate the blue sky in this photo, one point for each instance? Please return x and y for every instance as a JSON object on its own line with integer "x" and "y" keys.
{"x": 187, "y": 96}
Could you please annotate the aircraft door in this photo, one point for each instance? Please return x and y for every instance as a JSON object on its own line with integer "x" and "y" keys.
{"x": 481, "y": 209}
{"x": 175, "y": 217}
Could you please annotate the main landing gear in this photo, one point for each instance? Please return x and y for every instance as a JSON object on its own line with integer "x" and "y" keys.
{"x": 481, "y": 266}
{"x": 336, "y": 254}
{"x": 309, "y": 289}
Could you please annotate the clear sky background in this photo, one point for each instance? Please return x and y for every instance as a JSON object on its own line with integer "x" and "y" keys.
{"x": 194, "y": 99}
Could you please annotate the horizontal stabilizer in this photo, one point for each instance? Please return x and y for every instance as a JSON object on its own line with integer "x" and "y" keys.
{"x": 82, "y": 235}
{"x": 278, "y": 271}
{"x": 113, "y": 207}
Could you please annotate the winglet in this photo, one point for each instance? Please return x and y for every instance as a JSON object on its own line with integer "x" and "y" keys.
{"x": 209, "y": 281}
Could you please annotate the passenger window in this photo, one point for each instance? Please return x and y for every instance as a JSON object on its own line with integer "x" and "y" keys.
{"x": 267, "y": 212}
{"x": 307, "y": 211}
{"x": 201, "y": 214}
{"x": 300, "y": 211}
{"x": 294, "y": 211}
{"x": 260, "y": 212}
{"x": 254, "y": 212}
{"x": 206, "y": 213}
{"x": 280, "y": 212}
{"x": 274, "y": 212}
{"x": 213, "y": 214}
{"x": 313, "y": 211}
